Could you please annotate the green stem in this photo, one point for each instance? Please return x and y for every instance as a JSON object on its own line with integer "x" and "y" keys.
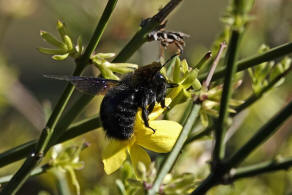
{"x": 35, "y": 172}
{"x": 260, "y": 168}
{"x": 171, "y": 158}
{"x": 70, "y": 116}
{"x": 262, "y": 134}
{"x": 98, "y": 32}
{"x": 208, "y": 183}
{"x": 34, "y": 158}
{"x": 219, "y": 148}
{"x": 74, "y": 130}
{"x": 62, "y": 182}
{"x": 141, "y": 36}
{"x": 243, "y": 64}
{"x": 253, "y": 98}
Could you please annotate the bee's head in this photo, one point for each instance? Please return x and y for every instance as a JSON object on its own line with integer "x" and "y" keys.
{"x": 159, "y": 79}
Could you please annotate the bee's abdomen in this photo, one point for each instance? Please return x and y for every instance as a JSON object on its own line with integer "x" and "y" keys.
{"x": 118, "y": 111}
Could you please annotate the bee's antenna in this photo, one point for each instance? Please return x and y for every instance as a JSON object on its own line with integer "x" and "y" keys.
{"x": 171, "y": 58}
{"x": 165, "y": 64}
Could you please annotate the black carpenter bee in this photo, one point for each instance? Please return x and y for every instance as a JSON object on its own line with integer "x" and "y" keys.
{"x": 140, "y": 89}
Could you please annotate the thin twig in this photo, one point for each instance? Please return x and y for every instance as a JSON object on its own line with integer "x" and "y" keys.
{"x": 36, "y": 171}
{"x": 214, "y": 65}
{"x": 219, "y": 148}
{"x": 171, "y": 158}
{"x": 259, "y": 168}
{"x": 262, "y": 134}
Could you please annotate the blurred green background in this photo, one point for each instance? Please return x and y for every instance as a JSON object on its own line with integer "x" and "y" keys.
{"x": 26, "y": 96}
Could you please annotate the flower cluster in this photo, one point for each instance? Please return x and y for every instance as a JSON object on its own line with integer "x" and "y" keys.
{"x": 264, "y": 73}
{"x": 108, "y": 69}
{"x": 64, "y": 47}
{"x": 66, "y": 160}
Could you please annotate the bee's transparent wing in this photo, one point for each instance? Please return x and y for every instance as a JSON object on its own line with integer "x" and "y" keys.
{"x": 89, "y": 85}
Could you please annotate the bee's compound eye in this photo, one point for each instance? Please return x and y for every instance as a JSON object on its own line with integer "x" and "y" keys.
{"x": 160, "y": 77}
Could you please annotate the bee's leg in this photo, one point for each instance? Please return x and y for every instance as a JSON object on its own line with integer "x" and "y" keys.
{"x": 162, "y": 103}
{"x": 145, "y": 118}
{"x": 151, "y": 107}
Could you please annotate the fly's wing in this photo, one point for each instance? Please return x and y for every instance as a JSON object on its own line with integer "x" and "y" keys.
{"x": 89, "y": 85}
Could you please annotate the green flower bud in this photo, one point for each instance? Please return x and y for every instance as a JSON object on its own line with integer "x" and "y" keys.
{"x": 122, "y": 68}
{"x": 176, "y": 70}
{"x": 196, "y": 84}
{"x": 52, "y": 51}
{"x": 286, "y": 62}
{"x": 141, "y": 171}
{"x": 61, "y": 29}
{"x": 105, "y": 55}
{"x": 204, "y": 118}
{"x": 77, "y": 165}
{"x": 79, "y": 47}
{"x": 52, "y": 40}
{"x": 208, "y": 104}
{"x": 191, "y": 76}
{"x": 234, "y": 102}
{"x": 68, "y": 42}
{"x": 106, "y": 72}
{"x": 167, "y": 179}
{"x": 60, "y": 57}
{"x": 134, "y": 182}
{"x": 184, "y": 66}
{"x": 212, "y": 112}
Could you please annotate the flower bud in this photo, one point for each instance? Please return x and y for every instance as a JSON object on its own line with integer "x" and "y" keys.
{"x": 60, "y": 57}
{"x": 52, "y": 40}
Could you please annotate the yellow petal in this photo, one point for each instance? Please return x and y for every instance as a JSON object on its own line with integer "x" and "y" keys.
{"x": 157, "y": 111}
{"x": 114, "y": 154}
{"x": 138, "y": 154}
{"x": 162, "y": 140}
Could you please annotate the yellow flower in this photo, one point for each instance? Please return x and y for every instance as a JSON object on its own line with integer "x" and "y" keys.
{"x": 161, "y": 141}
